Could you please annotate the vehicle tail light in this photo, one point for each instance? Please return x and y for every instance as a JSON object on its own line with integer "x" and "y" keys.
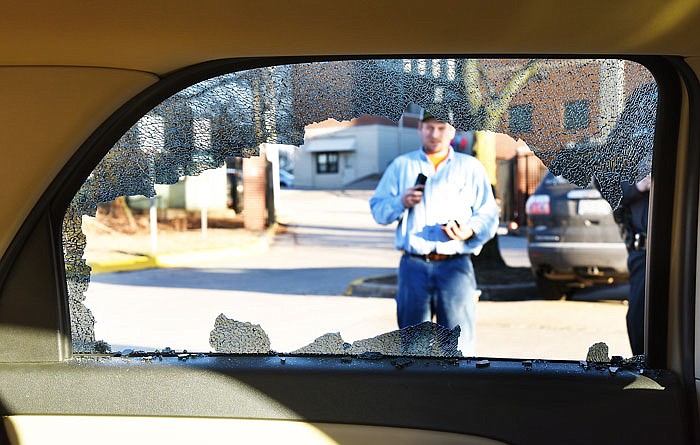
{"x": 537, "y": 205}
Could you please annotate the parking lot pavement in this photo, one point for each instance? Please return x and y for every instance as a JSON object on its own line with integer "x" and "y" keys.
{"x": 550, "y": 329}
{"x": 152, "y": 317}
{"x": 294, "y": 290}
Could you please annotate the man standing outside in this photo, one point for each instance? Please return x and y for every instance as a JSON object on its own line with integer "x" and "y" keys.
{"x": 440, "y": 225}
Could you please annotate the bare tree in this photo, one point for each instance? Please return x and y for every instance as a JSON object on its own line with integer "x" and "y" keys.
{"x": 488, "y": 103}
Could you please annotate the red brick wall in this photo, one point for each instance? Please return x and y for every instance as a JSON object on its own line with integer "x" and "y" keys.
{"x": 254, "y": 210}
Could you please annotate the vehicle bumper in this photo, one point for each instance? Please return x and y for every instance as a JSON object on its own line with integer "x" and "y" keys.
{"x": 566, "y": 260}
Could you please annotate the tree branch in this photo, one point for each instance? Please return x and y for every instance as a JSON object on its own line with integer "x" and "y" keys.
{"x": 513, "y": 86}
{"x": 471, "y": 78}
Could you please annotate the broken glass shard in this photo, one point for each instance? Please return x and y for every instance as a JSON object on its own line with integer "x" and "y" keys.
{"x": 332, "y": 344}
{"x": 423, "y": 340}
{"x": 236, "y": 337}
{"x": 598, "y": 353}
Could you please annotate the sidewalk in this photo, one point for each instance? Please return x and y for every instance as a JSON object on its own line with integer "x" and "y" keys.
{"x": 117, "y": 252}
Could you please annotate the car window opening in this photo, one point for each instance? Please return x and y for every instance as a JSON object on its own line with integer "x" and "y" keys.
{"x": 583, "y": 128}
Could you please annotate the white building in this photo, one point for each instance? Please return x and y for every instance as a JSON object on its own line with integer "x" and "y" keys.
{"x": 337, "y": 154}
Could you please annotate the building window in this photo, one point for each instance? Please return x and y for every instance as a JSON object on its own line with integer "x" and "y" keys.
{"x": 576, "y": 115}
{"x": 327, "y": 162}
{"x": 439, "y": 94}
{"x": 451, "y": 69}
{"x": 437, "y": 68}
{"x": 520, "y": 118}
{"x": 422, "y": 67}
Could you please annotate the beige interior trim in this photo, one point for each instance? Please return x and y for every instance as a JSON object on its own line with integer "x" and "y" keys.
{"x": 160, "y": 36}
{"x": 106, "y": 430}
{"x": 46, "y": 114}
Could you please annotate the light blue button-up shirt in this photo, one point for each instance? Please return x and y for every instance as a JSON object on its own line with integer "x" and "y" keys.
{"x": 458, "y": 190}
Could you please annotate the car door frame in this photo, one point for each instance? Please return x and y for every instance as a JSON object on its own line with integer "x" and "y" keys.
{"x": 30, "y": 277}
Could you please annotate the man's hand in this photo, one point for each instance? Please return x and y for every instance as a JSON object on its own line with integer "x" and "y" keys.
{"x": 412, "y": 196}
{"x": 644, "y": 185}
{"x": 456, "y": 232}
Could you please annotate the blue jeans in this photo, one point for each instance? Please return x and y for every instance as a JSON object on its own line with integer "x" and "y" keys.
{"x": 445, "y": 289}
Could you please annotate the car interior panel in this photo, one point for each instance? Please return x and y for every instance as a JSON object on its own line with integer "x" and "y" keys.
{"x": 77, "y": 77}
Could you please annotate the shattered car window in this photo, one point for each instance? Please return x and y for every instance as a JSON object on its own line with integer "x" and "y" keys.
{"x": 425, "y": 339}
{"x": 586, "y": 120}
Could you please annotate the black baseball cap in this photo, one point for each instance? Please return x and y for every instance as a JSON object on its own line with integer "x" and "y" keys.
{"x": 427, "y": 116}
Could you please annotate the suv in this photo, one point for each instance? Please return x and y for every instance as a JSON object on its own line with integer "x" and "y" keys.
{"x": 573, "y": 240}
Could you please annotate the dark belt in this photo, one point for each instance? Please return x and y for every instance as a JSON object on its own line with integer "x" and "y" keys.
{"x": 434, "y": 256}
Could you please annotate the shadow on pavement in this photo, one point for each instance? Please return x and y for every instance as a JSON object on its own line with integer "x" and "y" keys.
{"x": 308, "y": 281}
{"x": 617, "y": 292}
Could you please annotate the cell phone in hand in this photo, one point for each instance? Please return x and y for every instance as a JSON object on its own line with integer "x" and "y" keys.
{"x": 420, "y": 181}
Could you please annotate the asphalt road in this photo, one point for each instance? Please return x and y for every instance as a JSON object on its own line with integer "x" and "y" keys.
{"x": 295, "y": 292}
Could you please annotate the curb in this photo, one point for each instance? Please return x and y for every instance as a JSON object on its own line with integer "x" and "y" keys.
{"x": 165, "y": 260}
{"x": 137, "y": 262}
{"x": 363, "y": 288}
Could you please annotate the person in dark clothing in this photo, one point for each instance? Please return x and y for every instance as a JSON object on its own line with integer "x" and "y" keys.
{"x": 633, "y": 215}
{"x": 633, "y": 138}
